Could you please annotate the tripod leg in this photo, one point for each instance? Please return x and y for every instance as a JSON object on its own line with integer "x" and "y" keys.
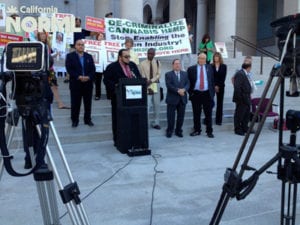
{"x": 223, "y": 201}
{"x": 288, "y": 208}
{"x": 8, "y": 130}
{"x": 78, "y": 204}
{"x": 44, "y": 180}
{"x": 75, "y": 210}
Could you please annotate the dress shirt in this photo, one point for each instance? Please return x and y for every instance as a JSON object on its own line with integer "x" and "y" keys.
{"x": 197, "y": 85}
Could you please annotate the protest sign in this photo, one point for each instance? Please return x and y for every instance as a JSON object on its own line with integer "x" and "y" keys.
{"x": 5, "y": 38}
{"x": 168, "y": 39}
{"x": 221, "y": 47}
{"x": 98, "y": 52}
{"x": 94, "y": 24}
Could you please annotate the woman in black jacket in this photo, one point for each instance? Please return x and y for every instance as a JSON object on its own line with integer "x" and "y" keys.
{"x": 219, "y": 70}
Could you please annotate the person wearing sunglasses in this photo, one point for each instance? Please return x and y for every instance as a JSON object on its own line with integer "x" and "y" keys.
{"x": 122, "y": 68}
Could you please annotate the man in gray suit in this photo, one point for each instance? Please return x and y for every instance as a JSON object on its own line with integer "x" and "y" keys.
{"x": 201, "y": 92}
{"x": 177, "y": 85}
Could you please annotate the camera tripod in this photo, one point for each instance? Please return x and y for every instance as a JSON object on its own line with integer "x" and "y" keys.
{"x": 287, "y": 156}
{"x": 44, "y": 176}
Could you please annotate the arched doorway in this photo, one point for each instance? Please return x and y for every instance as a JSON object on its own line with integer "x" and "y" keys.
{"x": 162, "y": 11}
{"x": 147, "y": 12}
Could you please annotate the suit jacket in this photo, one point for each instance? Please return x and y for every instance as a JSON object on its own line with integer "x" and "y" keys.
{"x": 173, "y": 85}
{"x": 220, "y": 75}
{"x": 242, "y": 88}
{"x": 114, "y": 72}
{"x": 192, "y": 75}
{"x": 74, "y": 69}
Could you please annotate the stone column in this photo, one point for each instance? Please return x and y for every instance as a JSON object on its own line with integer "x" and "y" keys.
{"x": 291, "y": 7}
{"x": 201, "y": 20}
{"x": 225, "y": 22}
{"x": 101, "y": 8}
{"x": 176, "y": 9}
{"x": 131, "y": 10}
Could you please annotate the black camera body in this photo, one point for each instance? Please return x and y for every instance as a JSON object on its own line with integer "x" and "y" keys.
{"x": 293, "y": 120}
{"x": 29, "y": 61}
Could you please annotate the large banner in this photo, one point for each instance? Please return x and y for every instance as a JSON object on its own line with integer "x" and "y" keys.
{"x": 168, "y": 39}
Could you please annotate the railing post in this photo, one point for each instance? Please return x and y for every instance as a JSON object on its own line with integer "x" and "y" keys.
{"x": 234, "y": 47}
{"x": 261, "y": 64}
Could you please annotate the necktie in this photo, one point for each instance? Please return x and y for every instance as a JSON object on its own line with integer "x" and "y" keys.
{"x": 151, "y": 70}
{"x": 178, "y": 76}
{"x": 128, "y": 72}
{"x": 201, "y": 79}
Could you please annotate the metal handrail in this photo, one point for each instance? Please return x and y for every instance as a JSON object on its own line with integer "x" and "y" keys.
{"x": 253, "y": 46}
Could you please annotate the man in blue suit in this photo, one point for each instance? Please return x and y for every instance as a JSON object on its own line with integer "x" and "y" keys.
{"x": 177, "y": 85}
{"x": 201, "y": 92}
{"x": 80, "y": 65}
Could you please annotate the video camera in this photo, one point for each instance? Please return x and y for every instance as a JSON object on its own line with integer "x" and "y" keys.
{"x": 288, "y": 30}
{"x": 29, "y": 63}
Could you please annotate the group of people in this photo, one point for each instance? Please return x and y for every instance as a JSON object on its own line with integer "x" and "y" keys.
{"x": 199, "y": 84}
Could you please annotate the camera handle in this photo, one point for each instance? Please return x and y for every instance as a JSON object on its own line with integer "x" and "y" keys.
{"x": 234, "y": 186}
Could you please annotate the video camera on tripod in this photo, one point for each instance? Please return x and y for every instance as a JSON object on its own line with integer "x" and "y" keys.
{"x": 27, "y": 66}
{"x": 287, "y": 157}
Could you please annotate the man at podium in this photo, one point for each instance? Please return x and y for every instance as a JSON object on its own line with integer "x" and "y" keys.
{"x": 122, "y": 68}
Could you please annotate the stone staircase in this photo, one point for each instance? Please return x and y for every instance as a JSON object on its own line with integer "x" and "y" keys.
{"x": 101, "y": 110}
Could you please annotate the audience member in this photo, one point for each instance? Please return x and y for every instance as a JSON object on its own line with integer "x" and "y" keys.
{"x": 201, "y": 94}
{"x": 150, "y": 69}
{"x": 129, "y": 46}
{"x": 43, "y": 37}
{"x": 81, "y": 67}
{"x": 219, "y": 70}
{"x": 77, "y": 36}
{"x": 188, "y": 55}
{"x": 123, "y": 68}
{"x": 242, "y": 99}
{"x": 177, "y": 84}
{"x": 206, "y": 46}
{"x": 109, "y": 15}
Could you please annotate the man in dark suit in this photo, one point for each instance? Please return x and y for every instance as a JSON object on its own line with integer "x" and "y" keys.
{"x": 242, "y": 99}
{"x": 177, "y": 85}
{"x": 123, "y": 68}
{"x": 80, "y": 65}
{"x": 201, "y": 92}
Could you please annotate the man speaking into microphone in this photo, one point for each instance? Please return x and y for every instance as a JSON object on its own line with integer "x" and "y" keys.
{"x": 122, "y": 68}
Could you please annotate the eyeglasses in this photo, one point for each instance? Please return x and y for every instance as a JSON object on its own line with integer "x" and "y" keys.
{"x": 80, "y": 44}
{"x": 126, "y": 56}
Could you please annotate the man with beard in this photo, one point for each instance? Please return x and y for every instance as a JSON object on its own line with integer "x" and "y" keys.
{"x": 123, "y": 68}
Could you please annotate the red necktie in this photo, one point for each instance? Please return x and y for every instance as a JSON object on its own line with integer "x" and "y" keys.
{"x": 128, "y": 72}
{"x": 201, "y": 79}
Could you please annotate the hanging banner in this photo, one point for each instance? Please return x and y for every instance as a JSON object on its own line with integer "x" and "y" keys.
{"x": 168, "y": 39}
{"x": 94, "y": 24}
